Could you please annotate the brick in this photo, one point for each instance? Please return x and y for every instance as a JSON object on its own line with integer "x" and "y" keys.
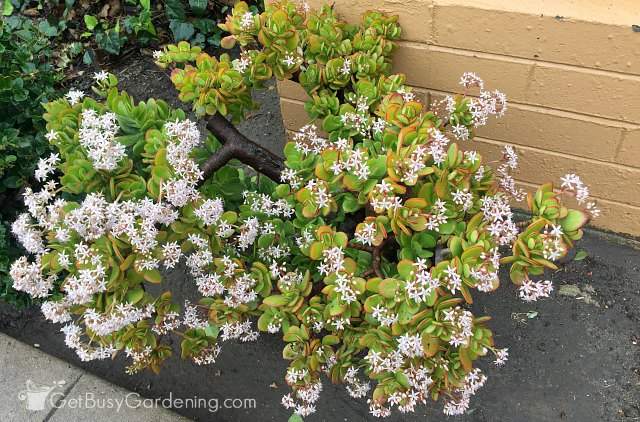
{"x": 617, "y": 217}
{"x": 292, "y": 90}
{"x": 533, "y": 35}
{"x": 293, "y": 114}
{"x": 414, "y": 15}
{"x": 440, "y": 68}
{"x": 629, "y": 153}
{"x": 625, "y": 12}
{"x": 591, "y": 92}
{"x": 553, "y": 130}
{"x": 608, "y": 181}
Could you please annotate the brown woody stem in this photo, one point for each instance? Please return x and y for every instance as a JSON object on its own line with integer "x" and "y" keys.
{"x": 236, "y": 145}
{"x": 377, "y": 255}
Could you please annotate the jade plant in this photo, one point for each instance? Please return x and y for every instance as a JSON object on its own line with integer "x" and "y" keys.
{"x": 362, "y": 248}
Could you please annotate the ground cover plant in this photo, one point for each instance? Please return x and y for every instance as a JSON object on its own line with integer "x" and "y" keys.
{"x": 94, "y": 30}
{"x": 362, "y": 248}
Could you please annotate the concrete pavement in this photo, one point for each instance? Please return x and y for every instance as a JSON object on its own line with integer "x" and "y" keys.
{"x": 37, "y": 387}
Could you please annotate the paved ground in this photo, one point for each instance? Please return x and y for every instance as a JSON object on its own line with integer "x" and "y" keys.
{"x": 35, "y": 387}
{"x": 574, "y": 357}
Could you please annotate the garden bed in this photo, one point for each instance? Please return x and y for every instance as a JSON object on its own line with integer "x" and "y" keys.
{"x": 574, "y": 357}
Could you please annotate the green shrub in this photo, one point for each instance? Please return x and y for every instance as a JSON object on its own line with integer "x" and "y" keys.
{"x": 365, "y": 259}
{"x": 27, "y": 79}
{"x": 105, "y": 27}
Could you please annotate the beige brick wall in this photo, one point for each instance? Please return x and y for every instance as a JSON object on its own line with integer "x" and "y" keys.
{"x": 570, "y": 68}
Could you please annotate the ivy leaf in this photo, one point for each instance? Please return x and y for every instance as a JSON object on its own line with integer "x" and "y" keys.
{"x": 109, "y": 41}
{"x": 87, "y": 57}
{"x": 182, "y": 31}
{"x": 175, "y": 10}
{"x": 198, "y": 6}
{"x": 47, "y": 29}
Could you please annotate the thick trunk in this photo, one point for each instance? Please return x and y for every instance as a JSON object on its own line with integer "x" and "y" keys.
{"x": 236, "y": 145}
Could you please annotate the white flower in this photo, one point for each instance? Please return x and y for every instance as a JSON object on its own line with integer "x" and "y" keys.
{"x": 97, "y": 135}
{"x": 210, "y": 211}
{"x": 101, "y": 76}
{"x": 74, "y": 96}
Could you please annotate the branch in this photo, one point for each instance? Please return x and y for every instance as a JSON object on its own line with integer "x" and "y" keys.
{"x": 236, "y": 145}
{"x": 377, "y": 256}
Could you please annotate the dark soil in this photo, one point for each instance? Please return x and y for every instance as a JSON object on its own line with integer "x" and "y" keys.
{"x": 574, "y": 357}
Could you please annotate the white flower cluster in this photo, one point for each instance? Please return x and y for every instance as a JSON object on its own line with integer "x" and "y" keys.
{"x": 27, "y": 233}
{"x": 355, "y": 162}
{"x": 184, "y": 136}
{"x": 97, "y": 134}
{"x": 486, "y": 274}
{"x": 28, "y": 278}
{"x": 489, "y": 103}
{"x": 471, "y": 80}
{"x": 361, "y": 120}
{"x": 319, "y": 192}
{"x": 355, "y": 387}
{"x": 366, "y": 234}
{"x": 55, "y": 312}
{"x": 530, "y": 291}
{"x": 345, "y": 287}
{"x": 122, "y": 315}
{"x": 74, "y": 96}
{"x": 85, "y": 352}
{"x": 502, "y": 355}
{"x": 421, "y": 283}
{"x": 262, "y": 203}
{"x": 308, "y": 141}
{"x": 460, "y": 132}
{"x": 437, "y": 216}
{"x": 291, "y": 177}
{"x": 461, "y": 322}
{"x": 191, "y": 319}
{"x": 246, "y": 23}
{"x": 307, "y": 394}
{"x": 418, "y": 376}
{"x": 506, "y": 182}
{"x": 573, "y": 183}
{"x": 384, "y": 316}
{"x": 437, "y": 146}
{"x": 419, "y": 380}
{"x": 46, "y": 166}
{"x": 210, "y": 211}
{"x": 553, "y": 246}
{"x": 332, "y": 262}
{"x": 458, "y": 405}
{"x": 243, "y": 63}
{"x": 207, "y": 356}
{"x": 236, "y": 330}
{"x": 463, "y": 198}
{"x": 383, "y": 199}
{"x": 497, "y": 213}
